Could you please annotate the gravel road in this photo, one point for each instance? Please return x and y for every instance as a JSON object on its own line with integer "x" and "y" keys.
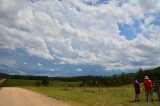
{"x": 14, "y": 96}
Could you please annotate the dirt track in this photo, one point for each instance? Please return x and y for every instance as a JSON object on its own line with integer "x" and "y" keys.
{"x": 12, "y": 96}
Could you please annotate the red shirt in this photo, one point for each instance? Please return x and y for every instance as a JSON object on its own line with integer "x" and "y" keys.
{"x": 148, "y": 85}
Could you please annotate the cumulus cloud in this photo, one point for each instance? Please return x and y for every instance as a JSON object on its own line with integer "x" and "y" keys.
{"x": 76, "y": 33}
{"x": 39, "y": 64}
{"x": 150, "y": 6}
{"x": 79, "y": 70}
{"x": 52, "y": 69}
{"x": 25, "y": 63}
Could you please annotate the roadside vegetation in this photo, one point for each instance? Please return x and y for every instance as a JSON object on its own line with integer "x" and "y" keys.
{"x": 116, "y": 90}
{"x": 24, "y": 83}
{"x": 86, "y": 96}
{"x": 18, "y": 82}
{"x": 108, "y": 96}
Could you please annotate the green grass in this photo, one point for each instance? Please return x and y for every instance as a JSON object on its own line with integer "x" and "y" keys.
{"x": 18, "y": 82}
{"x": 111, "y": 96}
{"x": 64, "y": 84}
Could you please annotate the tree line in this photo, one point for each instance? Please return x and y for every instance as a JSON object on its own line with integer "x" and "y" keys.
{"x": 94, "y": 81}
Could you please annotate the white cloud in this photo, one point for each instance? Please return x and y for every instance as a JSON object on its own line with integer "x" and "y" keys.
{"x": 52, "y": 69}
{"x": 79, "y": 34}
{"x": 39, "y": 64}
{"x": 79, "y": 70}
{"x": 62, "y": 62}
{"x": 149, "y": 20}
{"x": 25, "y": 63}
{"x": 150, "y": 29}
{"x": 150, "y": 6}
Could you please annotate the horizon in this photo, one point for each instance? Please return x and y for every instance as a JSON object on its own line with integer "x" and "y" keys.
{"x": 79, "y": 37}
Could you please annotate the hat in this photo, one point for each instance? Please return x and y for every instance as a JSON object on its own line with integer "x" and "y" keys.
{"x": 146, "y": 77}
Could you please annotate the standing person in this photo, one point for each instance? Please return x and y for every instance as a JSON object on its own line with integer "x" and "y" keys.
{"x": 158, "y": 90}
{"x": 137, "y": 89}
{"x": 148, "y": 85}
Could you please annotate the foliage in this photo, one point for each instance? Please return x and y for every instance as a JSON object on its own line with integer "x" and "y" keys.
{"x": 18, "y": 82}
{"x": 45, "y": 81}
{"x": 109, "y": 96}
{"x": 153, "y": 74}
{"x": 90, "y": 81}
{"x": 38, "y": 84}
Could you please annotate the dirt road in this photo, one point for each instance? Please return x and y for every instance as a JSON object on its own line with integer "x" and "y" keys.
{"x": 1, "y": 81}
{"x": 12, "y": 96}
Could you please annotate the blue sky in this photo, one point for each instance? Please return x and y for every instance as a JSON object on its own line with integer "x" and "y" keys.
{"x": 95, "y": 2}
{"x": 78, "y": 37}
{"x": 130, "y": 31}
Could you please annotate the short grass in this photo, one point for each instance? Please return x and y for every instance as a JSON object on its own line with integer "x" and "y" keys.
{"x": 21, "y": 82}
{"x": 110, "y": 96}
{"x": 64, "y": 84}
{"x": 18, "y": 82}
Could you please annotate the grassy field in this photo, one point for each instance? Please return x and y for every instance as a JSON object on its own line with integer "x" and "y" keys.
{"x": 110, "y": 96}
{"x": 17, "y": 82}
{"x": 20, "y": 82}
{"x": 64, "y": 84}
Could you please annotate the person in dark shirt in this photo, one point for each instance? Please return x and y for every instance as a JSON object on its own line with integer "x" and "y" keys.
{"x": 137, "y": 89}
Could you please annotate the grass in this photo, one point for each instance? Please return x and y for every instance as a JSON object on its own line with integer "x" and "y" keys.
{"x": 64, "y": 84}
{"x": 18, "y": 82}
{"x": 110, "y": 96}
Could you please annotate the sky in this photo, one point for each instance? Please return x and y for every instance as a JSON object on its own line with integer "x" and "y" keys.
{"x": 78, "y": 37}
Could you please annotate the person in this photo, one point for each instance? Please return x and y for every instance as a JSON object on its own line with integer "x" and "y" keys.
{"x": 158, "y": 90}
{"x": 148, "y": 85}
{"x": 137, "y": 89}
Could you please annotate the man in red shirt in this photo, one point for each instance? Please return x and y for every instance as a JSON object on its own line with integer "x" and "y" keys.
{"x": 148, "y": 85}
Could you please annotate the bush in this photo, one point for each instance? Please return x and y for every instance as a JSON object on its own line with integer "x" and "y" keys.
{"x": 45, "y": 81}
{"x": 38, "y": 84}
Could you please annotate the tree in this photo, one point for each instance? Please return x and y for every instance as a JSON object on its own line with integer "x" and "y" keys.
{"x": 38, "y": 84}
{"x": 45, "y": 81}
{"x": 140, "y": 74}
